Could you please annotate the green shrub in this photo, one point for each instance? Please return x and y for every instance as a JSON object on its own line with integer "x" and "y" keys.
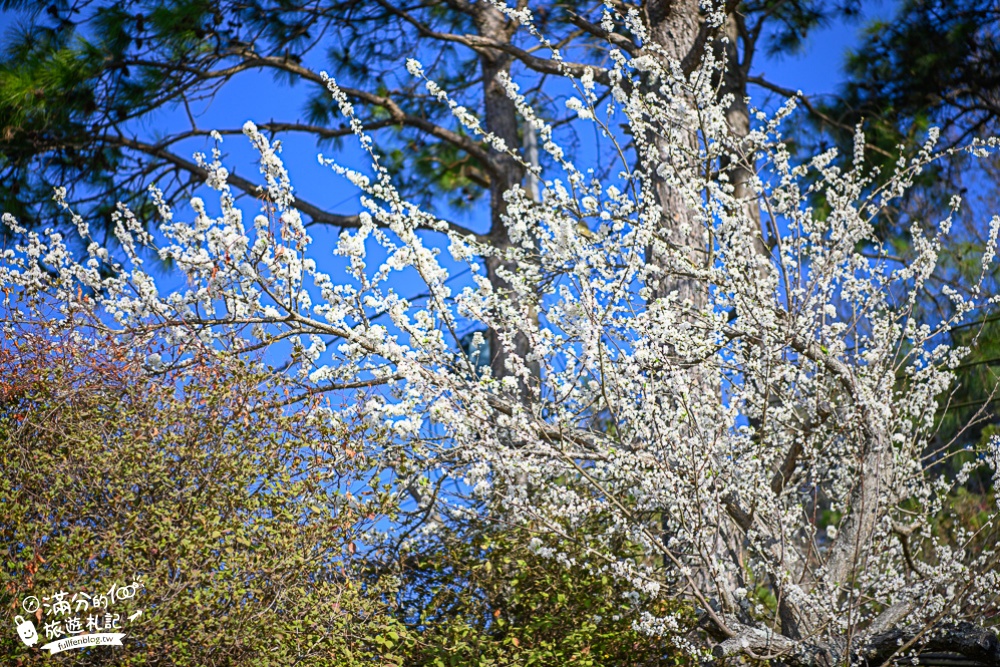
{"x": 232, "y": 511}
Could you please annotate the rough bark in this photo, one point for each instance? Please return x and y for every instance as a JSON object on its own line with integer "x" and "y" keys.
{"x": 676, "y": 27}
{"x": 502, "y": 120}
{"x": 952, "y": 644}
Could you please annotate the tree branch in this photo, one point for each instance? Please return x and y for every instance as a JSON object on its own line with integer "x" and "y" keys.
{"x": 482, "y": 45}
{"x": 317, "y": 214}
{"x": 811, "y": 108}
{"x": 252, "y": 60}
{"x": 961, "y": 639}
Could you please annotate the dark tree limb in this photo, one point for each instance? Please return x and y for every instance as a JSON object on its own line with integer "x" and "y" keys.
{"x": 954, "y": 642}
{"x": 315, "y": 213}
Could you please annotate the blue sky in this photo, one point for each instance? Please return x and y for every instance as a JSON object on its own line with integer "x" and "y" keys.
{"x": 818, "y": 69}
{"x": 815, "y": 71}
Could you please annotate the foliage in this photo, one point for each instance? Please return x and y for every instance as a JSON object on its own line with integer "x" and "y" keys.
{"x": 230, "y": 512}
{"x": 903, "y": 87}
{"x": 491, "y": 594}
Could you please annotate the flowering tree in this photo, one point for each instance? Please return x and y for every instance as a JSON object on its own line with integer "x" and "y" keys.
{"x": 733, "y": 386}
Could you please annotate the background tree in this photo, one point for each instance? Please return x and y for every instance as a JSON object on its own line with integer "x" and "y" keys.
{"x": 76, "y": 73}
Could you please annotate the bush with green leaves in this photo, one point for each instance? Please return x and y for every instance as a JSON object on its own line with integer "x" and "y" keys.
{"x": 240, "y": 517}
{"x": 485, "y": 594}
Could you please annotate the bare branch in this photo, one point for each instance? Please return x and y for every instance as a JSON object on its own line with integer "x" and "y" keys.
{"x": 317, "y": 214}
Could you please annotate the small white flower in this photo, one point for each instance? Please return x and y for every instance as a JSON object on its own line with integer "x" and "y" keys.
{"x": 414, "y": 67}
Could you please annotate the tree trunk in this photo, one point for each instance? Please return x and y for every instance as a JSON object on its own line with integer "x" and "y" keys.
{"x": 676, "y": 27}
{"x": 502, "y": 121}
